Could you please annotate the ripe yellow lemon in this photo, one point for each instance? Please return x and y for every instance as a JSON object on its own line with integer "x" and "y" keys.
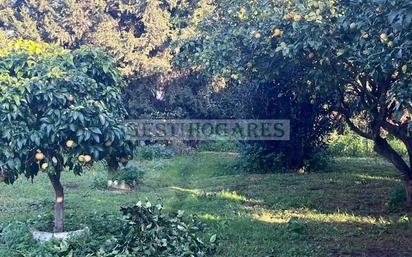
{"x": 81, "y": 158}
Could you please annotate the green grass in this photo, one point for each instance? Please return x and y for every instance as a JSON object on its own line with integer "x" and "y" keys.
{"x": 336, "y": 213}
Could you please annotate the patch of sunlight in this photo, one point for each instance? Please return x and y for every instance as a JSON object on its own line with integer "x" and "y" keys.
{"x": 187, "y": 190}
{"x": 233, "y": 196}
{"x": 363, "y": 176}
{"x": 222, "y": 194}
{"x": 208, "y": 216}
{"x": 286, "y": 215}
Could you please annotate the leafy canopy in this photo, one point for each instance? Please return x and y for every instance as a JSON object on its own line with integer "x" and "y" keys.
{"x": 58, "y": 109}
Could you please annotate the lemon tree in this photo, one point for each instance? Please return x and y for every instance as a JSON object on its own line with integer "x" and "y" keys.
{"x": 60, "y": 110}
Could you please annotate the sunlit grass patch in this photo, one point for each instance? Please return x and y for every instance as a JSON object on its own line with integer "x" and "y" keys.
{"x": 210, "y": 217}
{"x": 372, "y": 177}
{"x": 272, "y": 216}
{"x": 228, "y": 195}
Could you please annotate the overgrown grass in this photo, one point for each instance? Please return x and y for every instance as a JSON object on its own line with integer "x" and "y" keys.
{"x": 349, "y": 144}
{"x": 341, "y": 212}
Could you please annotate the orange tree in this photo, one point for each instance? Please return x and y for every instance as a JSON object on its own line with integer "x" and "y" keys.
{"x": 357, "y": 53}
{"x": 361, "y": 52}
{"x": 59, "y": 110}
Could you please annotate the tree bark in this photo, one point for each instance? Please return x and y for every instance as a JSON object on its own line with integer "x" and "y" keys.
{"x": 59, "y": 202}
{"x": 383, "y": 148}
{"x": 113, "y": 167}
{"x": 408, "y": 187}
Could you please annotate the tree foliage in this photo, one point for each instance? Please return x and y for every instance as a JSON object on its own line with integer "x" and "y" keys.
{"x": 137, "y": 33}
{"x": 237, "y": 49}
{"x": 140, "y": 35}
{"x": 58, "y": 103}
{"x": 59, "y": 110}
{"x": 355, "y": 53}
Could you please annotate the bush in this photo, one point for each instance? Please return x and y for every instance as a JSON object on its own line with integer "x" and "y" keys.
{"x": 397, "y": 200}
{"x": 128, "y": 173}
{"x": 150, "y": 152}
{"x": 15, "y": 238}
{"x": 255, "y": 158}
{"x": 99, "y": 181}
{"x": 219, "y": 145}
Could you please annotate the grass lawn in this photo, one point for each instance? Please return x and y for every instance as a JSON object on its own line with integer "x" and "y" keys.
{"x": 336, "y": 213}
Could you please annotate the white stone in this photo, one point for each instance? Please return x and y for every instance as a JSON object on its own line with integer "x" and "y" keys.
{"x": 46, "y": 236}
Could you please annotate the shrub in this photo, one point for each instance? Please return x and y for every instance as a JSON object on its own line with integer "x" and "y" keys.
{"x": 99, "y": 181}
{"x": 15, "y": 237}
{"x": 220, "y": 145}
{"x": 397, "y": 200}
{"x": 255, "y": 158}
{"x": 130, "y": 174}
{"x": 150, "y": 152}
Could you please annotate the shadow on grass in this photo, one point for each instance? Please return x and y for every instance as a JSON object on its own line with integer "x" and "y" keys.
{"x": 250, "y": 227}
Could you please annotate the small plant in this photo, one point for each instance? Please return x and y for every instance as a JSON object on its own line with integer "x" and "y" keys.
{"x": 397, "y": 200}
{"x": 219, "y": 146}
{"x": 256, "y": 159}
{"x": 129, "y": 174}
{"x": 296, "y": 226}
{"x": 99, "y": 181}
{"x": 150, "y": 152}
{"x": 15, "y": 236}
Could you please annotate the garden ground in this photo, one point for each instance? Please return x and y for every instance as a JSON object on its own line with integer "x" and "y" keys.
{"x": 339, "y": 212}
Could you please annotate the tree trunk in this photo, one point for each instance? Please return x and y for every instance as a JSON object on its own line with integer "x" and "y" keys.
{"x": 59, "y": 202}
{"x": 408, "y": 188}
{"x": 383, "y": 148}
